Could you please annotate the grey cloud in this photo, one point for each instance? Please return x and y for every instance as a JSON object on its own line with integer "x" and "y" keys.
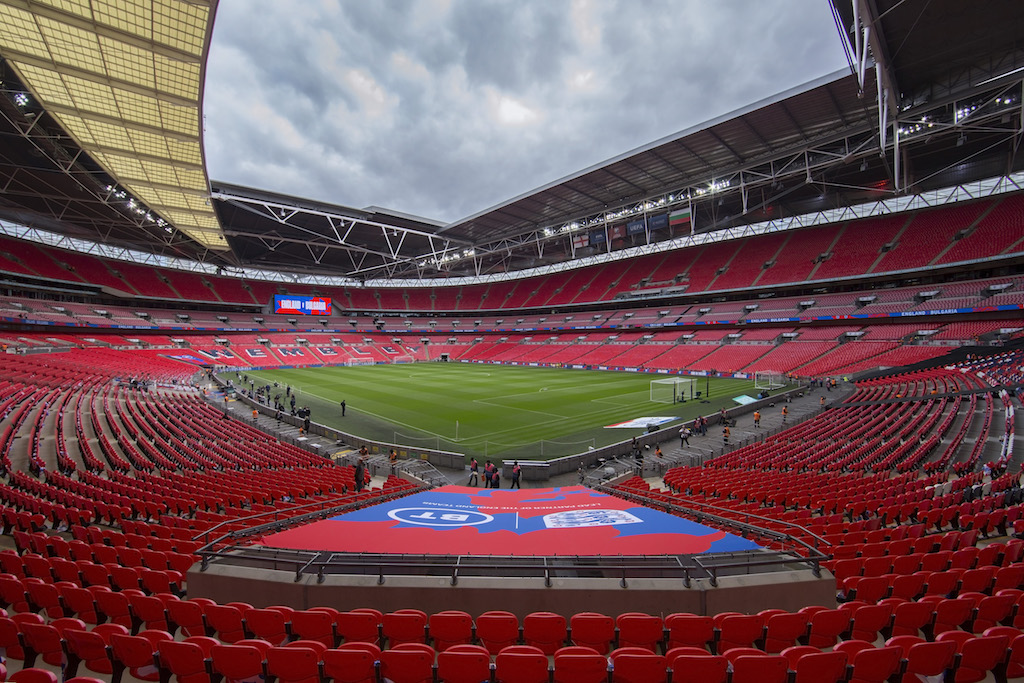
{"x": 284, "y": 111}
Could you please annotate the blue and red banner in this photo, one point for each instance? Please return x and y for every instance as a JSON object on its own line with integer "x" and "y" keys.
{"x": 462, "y": 520}
{"x": 302, "y": 305}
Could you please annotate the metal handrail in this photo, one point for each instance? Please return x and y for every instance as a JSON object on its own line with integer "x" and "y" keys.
{"x": 325, "y": 510}
{"x": 725, "y": 520}
{"x": 684, "y": 567}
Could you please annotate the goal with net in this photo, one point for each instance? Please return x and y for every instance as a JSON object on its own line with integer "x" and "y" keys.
{"x": 403, "y": 359}
{"x": 769, "y": 379}
{"x": 351, "y": 362}
{"x": 670, "y": 389}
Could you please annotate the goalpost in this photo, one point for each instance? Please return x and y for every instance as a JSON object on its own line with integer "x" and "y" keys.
{"x": 403, "y": 359}
{"x": 769, "y": 379}
{"x": 670, "y": 389}
{"x": 352, "y": 362}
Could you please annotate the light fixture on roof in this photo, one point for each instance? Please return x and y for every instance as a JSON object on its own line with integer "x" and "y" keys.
{"x": 961, "y": 140}
{"x": 21, "y": 99}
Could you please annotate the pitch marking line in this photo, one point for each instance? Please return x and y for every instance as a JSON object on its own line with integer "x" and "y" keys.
{"x": 487, "y": 437}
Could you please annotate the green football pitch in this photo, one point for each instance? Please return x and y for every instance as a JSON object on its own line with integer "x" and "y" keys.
{"x": 490, "y": 410}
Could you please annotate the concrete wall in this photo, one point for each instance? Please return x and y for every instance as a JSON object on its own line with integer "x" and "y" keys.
{"x": 788, "y": 590}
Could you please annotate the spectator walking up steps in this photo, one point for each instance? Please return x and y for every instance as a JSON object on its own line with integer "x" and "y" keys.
{"x": 360, "y": 474}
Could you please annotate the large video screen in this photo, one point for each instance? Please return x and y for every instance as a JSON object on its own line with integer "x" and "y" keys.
{"x": 302, "y": 305}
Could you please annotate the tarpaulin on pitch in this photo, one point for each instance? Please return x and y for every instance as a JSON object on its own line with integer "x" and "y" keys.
{"x": 461, "y": 520}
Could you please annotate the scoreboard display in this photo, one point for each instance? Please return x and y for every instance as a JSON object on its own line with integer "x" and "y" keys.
{"x": 302, "y": 305}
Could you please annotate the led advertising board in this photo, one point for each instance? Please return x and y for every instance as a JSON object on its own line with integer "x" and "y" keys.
{"x": 302, "y": 305}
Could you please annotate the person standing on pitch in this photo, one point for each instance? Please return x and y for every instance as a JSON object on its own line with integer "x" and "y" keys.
{"x": 343, "y": 407}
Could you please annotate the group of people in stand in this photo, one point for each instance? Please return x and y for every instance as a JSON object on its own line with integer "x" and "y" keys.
{"x": 700, "y": 425}
{"x": 492, "y": 474}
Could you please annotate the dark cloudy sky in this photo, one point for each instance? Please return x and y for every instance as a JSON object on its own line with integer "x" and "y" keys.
{"x": 442, "y": 108}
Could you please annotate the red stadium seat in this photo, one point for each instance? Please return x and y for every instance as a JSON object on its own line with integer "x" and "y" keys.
{"x": 544, "y": 630}
{"x": 593, "y": 630}
{"x": 640, "y": 630}
{"x": 580, "y": 668}
{"x": 497, "y": 630}
{"x": 91, "y": 648}
{"x": 697, "y": 667}
{"x": 460, "y": 663}
{"x": 136, "y": 654}
{"x": 520, "y": 664}
{"x": 297, "y": 662}
{"x": 638, "y": 666}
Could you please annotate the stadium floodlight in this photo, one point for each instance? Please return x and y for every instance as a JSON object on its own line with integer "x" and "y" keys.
{"x": 670, "y": 389}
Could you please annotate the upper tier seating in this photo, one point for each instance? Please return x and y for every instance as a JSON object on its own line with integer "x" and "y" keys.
{"x": 873, "y": 245}
{"x": 929, "y": 235}
{"x": 859, "y": 246}
{"x": 999, "y": 231}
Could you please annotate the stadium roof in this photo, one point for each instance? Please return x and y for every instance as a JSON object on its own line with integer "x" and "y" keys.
{"x": 124, "y": 80}
{"x": 932, "y": 100}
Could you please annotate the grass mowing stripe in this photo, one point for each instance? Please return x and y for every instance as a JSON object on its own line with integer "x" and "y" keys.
{"x": 525, "y": 408}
